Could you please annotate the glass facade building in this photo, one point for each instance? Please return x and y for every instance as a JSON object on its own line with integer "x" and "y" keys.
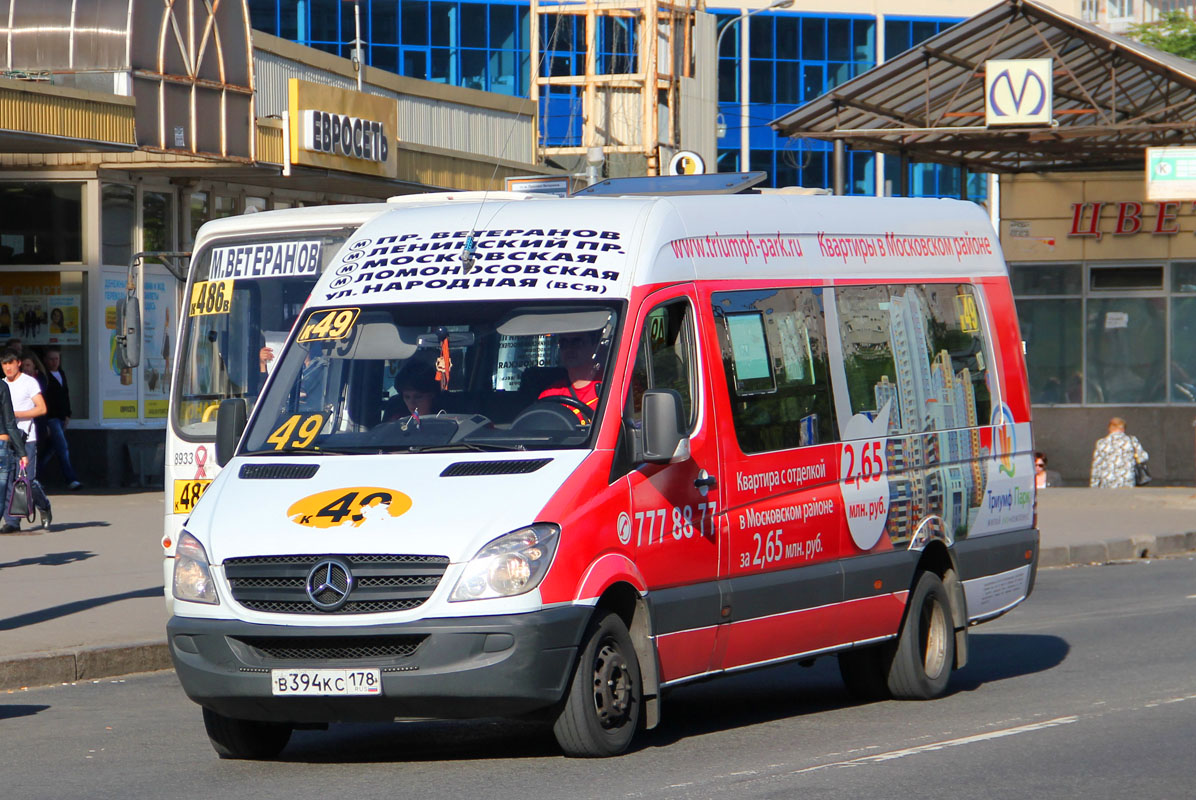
{"x": 790, "y": 59}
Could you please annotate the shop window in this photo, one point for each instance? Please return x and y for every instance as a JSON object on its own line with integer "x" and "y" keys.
{"x": 1183, "y": 277}
{"x": 117, "y": 220}
{"x": 41, "y": 223}
{"x": 253, "y": 204}
{"x": 201, "y": 211}
{"x": 1121, "y": 278}
{"x": 157, "y": 221}
{"x": 1046, "y": 279}
{"x": 774, "y": 354}
{"x": 1126, "y": 350}
{"x": 223, "y": 205}
{"x": 1053, "y": 333}
{"x": 1183, "y": 348}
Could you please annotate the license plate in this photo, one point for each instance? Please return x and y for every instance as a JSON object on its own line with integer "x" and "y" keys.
{"x": 325, "y": 682}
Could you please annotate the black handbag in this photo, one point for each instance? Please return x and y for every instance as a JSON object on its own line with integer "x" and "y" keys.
{"x": 20, "y": 502}
{"x": 1141, "y": 475}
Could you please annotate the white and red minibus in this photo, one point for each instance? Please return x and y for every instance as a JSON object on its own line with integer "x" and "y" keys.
{"x": 549, "y": 458}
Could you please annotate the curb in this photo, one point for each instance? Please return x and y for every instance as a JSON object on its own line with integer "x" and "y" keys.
{"x": 85, "y": 663}
{"x": 1126, "y": 549}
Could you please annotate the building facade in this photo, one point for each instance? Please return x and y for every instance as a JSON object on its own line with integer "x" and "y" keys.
{"x": 1105, "y": 283}
{"x": 114, "y": 142}
{"x": 769, "y": 61}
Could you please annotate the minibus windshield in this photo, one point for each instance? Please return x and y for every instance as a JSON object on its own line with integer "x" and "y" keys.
{"x": 246, "y": 292}
{"x": 409, "y": 378}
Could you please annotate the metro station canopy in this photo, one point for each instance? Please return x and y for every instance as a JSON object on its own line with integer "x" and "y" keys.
{"x": 1112, "y": 98}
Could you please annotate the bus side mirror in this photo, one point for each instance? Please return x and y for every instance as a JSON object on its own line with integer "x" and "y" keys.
{"x": 128, "y": 331}
{"x": 664, "y": 438}
{"x": 230, "y": 424}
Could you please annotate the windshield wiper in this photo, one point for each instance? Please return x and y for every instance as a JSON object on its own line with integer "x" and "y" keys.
{"x": 468, "y": 446}
{"x": 307, "y": 451}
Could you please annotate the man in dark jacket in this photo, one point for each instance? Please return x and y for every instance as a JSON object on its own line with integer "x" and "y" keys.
{"x": 58, "y": 416}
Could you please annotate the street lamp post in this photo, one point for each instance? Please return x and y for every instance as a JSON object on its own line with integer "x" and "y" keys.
{"x": 745, "y": 83}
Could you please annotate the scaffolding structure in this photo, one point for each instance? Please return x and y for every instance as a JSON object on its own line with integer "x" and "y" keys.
{"x": 624, "y": 113}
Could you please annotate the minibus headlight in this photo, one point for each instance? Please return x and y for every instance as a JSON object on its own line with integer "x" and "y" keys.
{"x": 511, "y": 564}
{"x": 192, "y": 576}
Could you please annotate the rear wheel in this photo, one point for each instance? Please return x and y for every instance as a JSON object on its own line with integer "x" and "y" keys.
{"x": 926, "y": 648}
{"x": 602, "y": 708}
{"x": 245, "y": 738}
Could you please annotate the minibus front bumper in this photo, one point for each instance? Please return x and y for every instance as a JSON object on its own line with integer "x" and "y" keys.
{"x": 450, "y": 668}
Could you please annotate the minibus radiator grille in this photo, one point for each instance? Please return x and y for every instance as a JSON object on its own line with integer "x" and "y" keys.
{"x": 381, "y": 583}
{"x": 337, "y": 648}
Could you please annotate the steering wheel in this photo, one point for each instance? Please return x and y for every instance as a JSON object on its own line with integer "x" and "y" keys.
{"x": 554, "y": 412}
{"x": 587, "y": 413}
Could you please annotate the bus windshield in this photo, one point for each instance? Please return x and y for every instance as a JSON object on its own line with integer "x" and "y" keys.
{"x": 477, "y": 376}
{"x": 246, "y": 293}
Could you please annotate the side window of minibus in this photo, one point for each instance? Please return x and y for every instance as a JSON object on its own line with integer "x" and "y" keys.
{"x": 869, "y": 324}
{"x": 958, "y": 348}
{"x": 918, "y": 350}
{"x": 774, "y": 351}
{"x": 664, "y": 360}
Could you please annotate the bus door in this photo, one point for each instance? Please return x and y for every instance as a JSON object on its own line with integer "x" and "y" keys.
{"x": 673, "y": 520}
{"x": 779, "y": 444}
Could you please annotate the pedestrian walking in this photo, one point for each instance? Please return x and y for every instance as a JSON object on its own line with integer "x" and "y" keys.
{"x": 25, "y": 394}
{"x": 1044, "y": 477}
{"x": 57, "y": 394}
{"x": 13, "y": 452}
{"x": 1116, "y": 457}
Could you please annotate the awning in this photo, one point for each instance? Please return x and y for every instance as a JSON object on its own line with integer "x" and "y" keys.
{"x": 1113, "y": 97}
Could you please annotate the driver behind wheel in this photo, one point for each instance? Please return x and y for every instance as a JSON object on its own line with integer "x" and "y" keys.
{"x": 578, "y": 354}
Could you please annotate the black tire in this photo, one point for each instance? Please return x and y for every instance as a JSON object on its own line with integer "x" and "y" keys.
{"x": 926, "y": 648}
{"x": 865, "y": 671}
{"x": 605, "y": 698}
{"x": 244, "y": 738}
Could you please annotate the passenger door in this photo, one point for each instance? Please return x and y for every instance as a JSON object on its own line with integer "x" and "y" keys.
{"x": 778, "y": 442}
{"x": 674, "y": 507}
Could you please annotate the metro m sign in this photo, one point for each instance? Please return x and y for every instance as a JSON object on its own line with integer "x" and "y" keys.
{"x": 1018, "y": 92}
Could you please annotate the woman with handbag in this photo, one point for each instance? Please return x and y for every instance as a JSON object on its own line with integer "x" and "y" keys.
{"x": 1117, "y": 459}
{"x": 13, "y": 454}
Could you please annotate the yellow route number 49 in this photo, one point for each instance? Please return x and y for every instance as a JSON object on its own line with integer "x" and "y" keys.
{"x": 328, "y": 325}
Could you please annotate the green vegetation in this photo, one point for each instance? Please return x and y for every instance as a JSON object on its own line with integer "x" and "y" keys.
{"x": 1175, "y": 32}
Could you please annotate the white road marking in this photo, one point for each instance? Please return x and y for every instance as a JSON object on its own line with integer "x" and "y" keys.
{"x": 927, "y": 748}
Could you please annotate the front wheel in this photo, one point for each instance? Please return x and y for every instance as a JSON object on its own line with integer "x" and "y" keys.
{"x": 926, "y": 649}
{"x": 245, "y": 738}
{"x": 602, "y": 708}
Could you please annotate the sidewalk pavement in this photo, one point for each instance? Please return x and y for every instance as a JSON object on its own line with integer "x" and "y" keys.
{"x": 84, "y": 601}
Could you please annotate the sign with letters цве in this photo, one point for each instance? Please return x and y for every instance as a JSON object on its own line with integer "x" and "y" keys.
{"x": 1018, "y": 92}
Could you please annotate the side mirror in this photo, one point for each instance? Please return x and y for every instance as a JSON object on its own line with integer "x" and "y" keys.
{"x": 128, "y": 331}
{"x": 230, "y": 424}
{"x": 664, "y": 438}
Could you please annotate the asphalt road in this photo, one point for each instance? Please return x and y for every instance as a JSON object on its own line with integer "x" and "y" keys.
{"x": 1087, "y": 690}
